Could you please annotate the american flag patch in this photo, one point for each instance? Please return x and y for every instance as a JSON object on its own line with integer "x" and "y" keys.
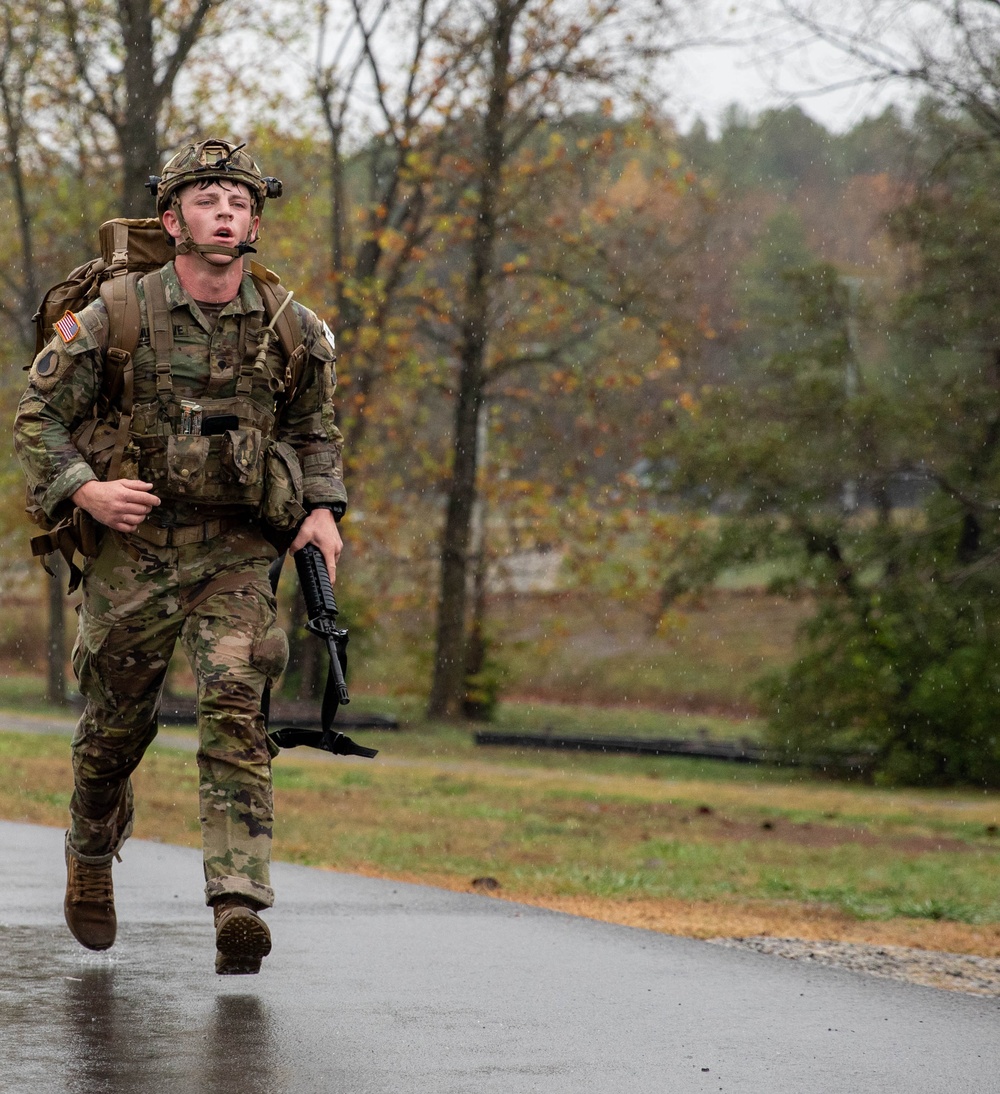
{"x": 68, "y": 327}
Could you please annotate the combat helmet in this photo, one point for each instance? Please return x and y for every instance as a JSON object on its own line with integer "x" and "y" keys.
{"x": 211, "y": 159}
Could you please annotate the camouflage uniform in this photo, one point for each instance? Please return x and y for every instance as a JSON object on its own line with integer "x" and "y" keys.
{"x": 196, "y": 570}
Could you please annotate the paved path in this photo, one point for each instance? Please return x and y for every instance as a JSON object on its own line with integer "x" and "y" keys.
{"x": 376, "y": 987}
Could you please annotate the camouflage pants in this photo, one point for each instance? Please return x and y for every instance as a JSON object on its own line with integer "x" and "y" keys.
{"x": 216, "y": 599}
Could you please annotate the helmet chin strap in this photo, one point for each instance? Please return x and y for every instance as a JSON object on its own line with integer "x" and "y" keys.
{"x": 186, "y": 244}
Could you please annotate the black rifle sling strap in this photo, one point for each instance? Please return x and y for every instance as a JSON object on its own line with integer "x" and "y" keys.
{"x": 321, "y": 608}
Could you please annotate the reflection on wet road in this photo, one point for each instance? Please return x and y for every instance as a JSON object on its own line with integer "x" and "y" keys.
{"x": 94, "y": 1024}
{"x": 119, "y": 1047}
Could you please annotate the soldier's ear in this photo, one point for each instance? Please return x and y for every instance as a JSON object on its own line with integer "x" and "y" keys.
{"x": 172, "y": 224}
{"x": 254, "y": 234}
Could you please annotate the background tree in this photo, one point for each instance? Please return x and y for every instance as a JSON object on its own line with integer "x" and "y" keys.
{"x": 855, "y": 453}
{"x": 422, "y": 183}
{"x": 381, "y": 192}
{"x": 126, "y": 90}
{"x": 944, "y": 48}
{"x": 535, "y": 57}
{"x": 21, "y": 46}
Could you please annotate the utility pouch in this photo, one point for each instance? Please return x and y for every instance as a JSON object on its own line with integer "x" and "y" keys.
{"x": 95, "y": 441}
{"x": 240, "y": 456}
{"x": 78, "y": 533}
{"x": 186, "y": 459}
{"x": 282, "y": 507}
{"x": 87, "y": 532}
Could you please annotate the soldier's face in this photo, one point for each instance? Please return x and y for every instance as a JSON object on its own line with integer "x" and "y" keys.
{"x": 219, "y": 213}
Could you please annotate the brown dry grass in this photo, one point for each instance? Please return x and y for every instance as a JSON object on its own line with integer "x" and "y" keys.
{"x": 714, "y": 919}
{"x": 578, "y": 647}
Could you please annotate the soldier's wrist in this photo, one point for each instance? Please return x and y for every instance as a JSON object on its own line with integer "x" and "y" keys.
{"x": 338, "y": 508}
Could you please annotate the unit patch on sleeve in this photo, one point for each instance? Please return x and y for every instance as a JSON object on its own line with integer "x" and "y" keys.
{"x": 68, "y": 327}
{"x": 47, "y": 364}
{"x": 48, "y": 368}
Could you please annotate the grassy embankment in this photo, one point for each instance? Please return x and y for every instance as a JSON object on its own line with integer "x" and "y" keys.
{"x": 691, "y": 847}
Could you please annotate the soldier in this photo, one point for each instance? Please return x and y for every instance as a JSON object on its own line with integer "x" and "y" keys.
{"x": 218, "y": 429}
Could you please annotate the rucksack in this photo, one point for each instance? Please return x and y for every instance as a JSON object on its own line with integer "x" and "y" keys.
{"x": 127, "y": 247}
{"x": 130, "y": 249}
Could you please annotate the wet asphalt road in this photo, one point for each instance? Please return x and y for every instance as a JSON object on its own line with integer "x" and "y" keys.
{"x": 377, "y": 987}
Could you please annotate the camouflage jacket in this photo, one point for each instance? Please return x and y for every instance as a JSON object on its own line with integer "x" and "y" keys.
{"x": 65, "y": 385}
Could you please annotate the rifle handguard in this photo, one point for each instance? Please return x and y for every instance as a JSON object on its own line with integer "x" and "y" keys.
{"x": 317, "y": 591}
{"x": 322, "y": 610}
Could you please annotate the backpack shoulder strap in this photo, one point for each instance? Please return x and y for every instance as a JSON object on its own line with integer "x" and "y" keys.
{"x": 121, "y": 299}
{"x": 124, "y": 318}
{"x": 161, "y": 332}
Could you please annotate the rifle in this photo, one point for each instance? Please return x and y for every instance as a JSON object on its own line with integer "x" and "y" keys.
{"x": 321, "y": 608}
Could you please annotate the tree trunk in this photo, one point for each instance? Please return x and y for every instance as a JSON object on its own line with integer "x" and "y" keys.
{"x": 479, "y": 697}
{"x": 29, "y": 291}
{"x": 448, "y": 684}
{"x": 14, "y": 82}
{"x": 138, "y": 126}
{"x": 147, "y": 87}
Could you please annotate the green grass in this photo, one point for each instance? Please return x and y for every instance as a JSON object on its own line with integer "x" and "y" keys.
{"x": 26, "y": 690}
{"x": 583, "y": 829}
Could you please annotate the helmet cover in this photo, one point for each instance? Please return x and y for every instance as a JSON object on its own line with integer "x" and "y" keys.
{"x": 216, "y": 160}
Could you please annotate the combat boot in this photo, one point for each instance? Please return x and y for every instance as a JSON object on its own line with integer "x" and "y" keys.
{"x": 90, "y": 903}
{"x": 241, "y": 936}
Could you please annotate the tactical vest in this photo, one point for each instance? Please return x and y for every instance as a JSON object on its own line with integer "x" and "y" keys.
{"x": 211, "y": 451}
{"x": 198, "y": 452}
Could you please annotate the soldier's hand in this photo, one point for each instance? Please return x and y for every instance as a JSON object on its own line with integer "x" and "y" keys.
{"x": 122, "y": 504}
{"x": 321, "y": 529}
